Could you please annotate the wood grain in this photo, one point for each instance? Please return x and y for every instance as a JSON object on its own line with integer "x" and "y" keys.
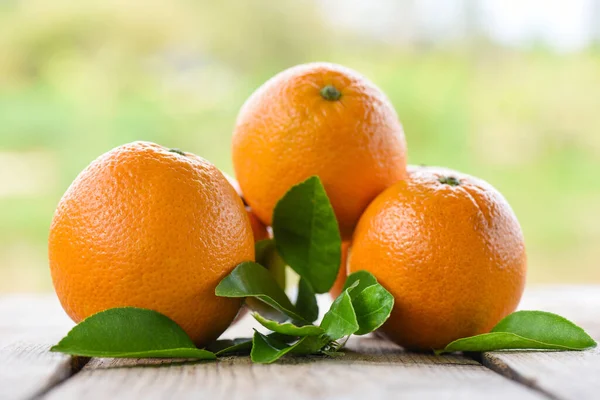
{"x": 370, "y": 369}
{"x": 29, "y": 325}
{"x": 565, "y": 375}
{"x": 380, "y": 371}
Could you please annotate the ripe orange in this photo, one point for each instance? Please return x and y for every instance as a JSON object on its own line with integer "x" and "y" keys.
{"x": 338, "y": 285}
{"x": 449, "y": 248}
{"x": 149, "y": 227}
{"x": 318, "y": 119}
{"x": 259, "y": 229}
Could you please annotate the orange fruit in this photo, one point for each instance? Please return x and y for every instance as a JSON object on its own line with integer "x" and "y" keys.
{"x": 318, "y": 119}
{"x": 450, "y": 250}
{"x": 149, "y": 227}
{"x": 259, "y": 229}
{"x": 338, "y": 285}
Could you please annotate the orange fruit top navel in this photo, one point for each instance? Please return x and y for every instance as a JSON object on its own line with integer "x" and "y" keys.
{"x": 318, "y": 119}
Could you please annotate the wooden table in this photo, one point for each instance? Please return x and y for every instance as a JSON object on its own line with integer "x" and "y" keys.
{"x": 371, "y": 369}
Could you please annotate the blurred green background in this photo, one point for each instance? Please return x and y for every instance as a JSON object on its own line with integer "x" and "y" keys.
{"x": 511, "y": 95}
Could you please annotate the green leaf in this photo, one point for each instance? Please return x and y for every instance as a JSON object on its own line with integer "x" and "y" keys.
{"x": 340, "y": 320}
{"x": 288, "y": 328}
{"x": 372, "y": 302}
{"x": 239, "y": 346}
{"x": 250, "y": 279}
{"x": 306, "y": 303}
{"x": 311, "y": 345}
{"x": 132, "y": 333}
{"x": 545, "y": 327}
{"x": 261, "y": 248}
{"x": 364, "y": 279}
{"x": 267, "y": 349}
{"x": 268, "y": 256}
{"x": 372, "y": 306}
{"x": 307, "y": 234}
{"x": 264, "y": 309}
{"x": 527, "y": 330}
{"x": 282, "y": 338}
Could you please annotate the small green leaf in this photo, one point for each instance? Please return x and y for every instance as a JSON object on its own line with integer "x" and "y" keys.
{"x": 130, "y": 332}
{"x": 266, "y": 350}
{"x": 260, "y": 249}
{"x": 364, "y": 279}
{"x": 264, "y": 309}
{"x": 288, "y": 328}
{"x": 372, "y": 306}
{"x": 340, "y": 320}
{"x": 306, "y": 303}
{"x": 243, "y": 346}
{"x": 239, "y": 346}
{"x": 311, "y": 345}
{"x": 268, "y": 256}
{"x": 250, "y": 279}
{"x": 307, "y": 234}
{"x": 282, "y": 338}
{"x": 372, "y": 302}
{"x": 527, "y": 330}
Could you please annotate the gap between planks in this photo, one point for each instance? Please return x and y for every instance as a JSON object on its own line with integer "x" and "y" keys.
{"x": 503, "y": 369}
{"x": 76, "y": 364}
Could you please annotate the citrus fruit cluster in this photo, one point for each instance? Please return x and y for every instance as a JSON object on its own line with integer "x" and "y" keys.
{"x": 151, "y": 227}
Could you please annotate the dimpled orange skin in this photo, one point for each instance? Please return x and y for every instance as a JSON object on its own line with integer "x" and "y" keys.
{"x": 338, "y": 285}
{"x": 452, "y": 256}
{"x": 145, "y": 227}
{"x": 259, "y": 229}
{"x": 287, "y": 131}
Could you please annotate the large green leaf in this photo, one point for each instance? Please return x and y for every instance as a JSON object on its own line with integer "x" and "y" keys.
{"x": 527, "y": 330}
{"x": 129, "y": 332}
{"x": 307, "y": 234}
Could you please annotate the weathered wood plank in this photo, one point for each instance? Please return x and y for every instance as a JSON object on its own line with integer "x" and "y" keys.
{"x": 28, "y": 369}
{"x": 28, "y": 312}
{"x": 29, "y": 325}
{"x": 567, "y": 375}
{"x": 375, "y": 369}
